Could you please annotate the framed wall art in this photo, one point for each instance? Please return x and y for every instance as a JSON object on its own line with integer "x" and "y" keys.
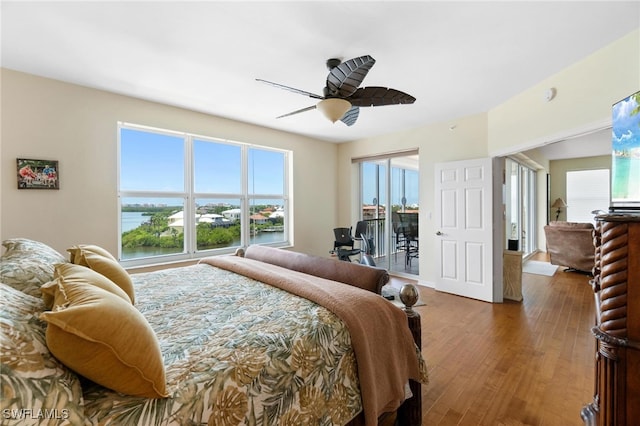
{"x": 38, "y": 174}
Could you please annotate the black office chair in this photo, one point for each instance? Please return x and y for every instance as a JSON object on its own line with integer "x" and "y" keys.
{"x": 344, "y": 244}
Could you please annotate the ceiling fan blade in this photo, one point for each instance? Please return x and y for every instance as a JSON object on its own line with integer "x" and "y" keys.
{"x": 298, "y": 111}
{"x": 350, "y": 117}
{"x": 378, "y": 96}
{"x": 344, "y": 79}
{"x": 291, "y": 89}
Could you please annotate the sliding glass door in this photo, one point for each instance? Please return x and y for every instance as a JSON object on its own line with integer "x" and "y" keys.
{"x": 520, "y": 207}
{"x": 389, "y": 190}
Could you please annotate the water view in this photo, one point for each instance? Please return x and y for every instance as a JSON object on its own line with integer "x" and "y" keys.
{"x": 148, "y": 234}
{"x": 131, "y": 220}
{"x": 626, "y": 178}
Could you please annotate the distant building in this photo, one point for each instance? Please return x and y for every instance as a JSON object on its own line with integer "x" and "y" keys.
{"x": 232, "y": 214}
{"x": 258, "y": 219}
{"x": 369, "y": 212}
{"x": 214, "y": 219}
{"x": 176, "y": 220}
{"x": 279, "y": 212}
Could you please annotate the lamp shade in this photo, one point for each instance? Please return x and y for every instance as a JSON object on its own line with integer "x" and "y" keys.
{"x": 559, "y": 203}
{"x": 333, "y": 108}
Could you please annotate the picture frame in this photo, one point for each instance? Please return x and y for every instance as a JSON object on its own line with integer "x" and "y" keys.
{"x": 37, "y": 174}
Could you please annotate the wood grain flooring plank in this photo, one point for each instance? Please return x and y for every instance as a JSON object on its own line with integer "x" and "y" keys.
{"x": 515, "y": 363}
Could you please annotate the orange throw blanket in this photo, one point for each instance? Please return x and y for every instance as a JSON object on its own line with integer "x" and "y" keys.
{"x": 384, "y": 348}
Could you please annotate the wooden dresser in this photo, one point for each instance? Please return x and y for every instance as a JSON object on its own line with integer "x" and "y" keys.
{"x": 616, "y": 285}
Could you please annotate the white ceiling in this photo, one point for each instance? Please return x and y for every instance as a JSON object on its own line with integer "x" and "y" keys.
{"x": 456, "y": 58}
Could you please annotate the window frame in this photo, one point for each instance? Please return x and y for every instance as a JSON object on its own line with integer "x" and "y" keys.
{"x": 189, "y": 197}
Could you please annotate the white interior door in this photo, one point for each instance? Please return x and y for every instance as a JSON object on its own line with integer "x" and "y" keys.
{"x": 464, "y": 234}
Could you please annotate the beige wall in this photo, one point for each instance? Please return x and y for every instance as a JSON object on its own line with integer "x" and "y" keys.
{"x": 48, "y": 119}
{"x": 585, "y": 93}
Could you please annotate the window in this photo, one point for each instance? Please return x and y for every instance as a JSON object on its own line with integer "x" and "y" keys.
{"x": 587, "y": 190}
{"x": 183, "y": 196}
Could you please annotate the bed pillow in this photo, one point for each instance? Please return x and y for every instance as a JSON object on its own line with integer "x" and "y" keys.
{"x": 363, "y": 276}
{"x": 75, "y": 250}
{"x": 27, "y": 264}
{"x": 70, "y": 273}
{"x": 102, "y": 261}
{"x": 31, "y": 376}
{"x": 106, "y": 339}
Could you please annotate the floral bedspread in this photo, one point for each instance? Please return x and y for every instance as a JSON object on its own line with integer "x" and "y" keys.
{"x": 237, "y": 352}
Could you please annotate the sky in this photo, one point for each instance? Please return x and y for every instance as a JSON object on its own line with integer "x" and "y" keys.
{"x": 371, "y": 191}
{"x": 626, "y": 125}
{"x": 156, "y": 162}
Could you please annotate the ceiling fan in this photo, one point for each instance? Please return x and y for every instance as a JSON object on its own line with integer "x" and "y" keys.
{"x": 342, "y": 98}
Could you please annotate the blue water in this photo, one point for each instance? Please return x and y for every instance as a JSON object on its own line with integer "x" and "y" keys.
{"x": 131, "y": 220}
{"x": 625, "y": 179}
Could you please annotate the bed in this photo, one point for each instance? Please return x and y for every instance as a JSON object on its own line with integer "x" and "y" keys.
{"x": 266, "y": 337}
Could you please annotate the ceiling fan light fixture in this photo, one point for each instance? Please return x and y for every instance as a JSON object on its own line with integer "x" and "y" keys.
{"x": 342, "y": 95}
{"x": 333, "y": 108}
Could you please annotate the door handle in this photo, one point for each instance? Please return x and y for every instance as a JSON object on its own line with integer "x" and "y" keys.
{"x": 439, "y": 233}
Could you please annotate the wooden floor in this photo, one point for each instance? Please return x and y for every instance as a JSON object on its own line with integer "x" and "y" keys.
{"x": 527, "y": 363}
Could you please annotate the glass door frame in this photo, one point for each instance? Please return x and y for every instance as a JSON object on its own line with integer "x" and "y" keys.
{"x": 384, "y": 192}
{"x": 520, "y": 206}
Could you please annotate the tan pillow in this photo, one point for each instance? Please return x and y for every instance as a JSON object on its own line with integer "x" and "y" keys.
{"x": 103, "y": 262}
{"x": 106, "y": 339}
{"x": 70, "y": 273}
{"x": 73, "y": 251}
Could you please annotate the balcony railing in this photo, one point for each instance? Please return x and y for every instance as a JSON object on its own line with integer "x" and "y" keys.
{"x": 375, "y": 231}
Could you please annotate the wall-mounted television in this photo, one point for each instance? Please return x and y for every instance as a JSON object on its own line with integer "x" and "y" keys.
{"x": 625, "y": 162}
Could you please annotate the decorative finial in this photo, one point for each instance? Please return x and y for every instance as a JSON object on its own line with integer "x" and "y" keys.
{"x": 409, "y": 296}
